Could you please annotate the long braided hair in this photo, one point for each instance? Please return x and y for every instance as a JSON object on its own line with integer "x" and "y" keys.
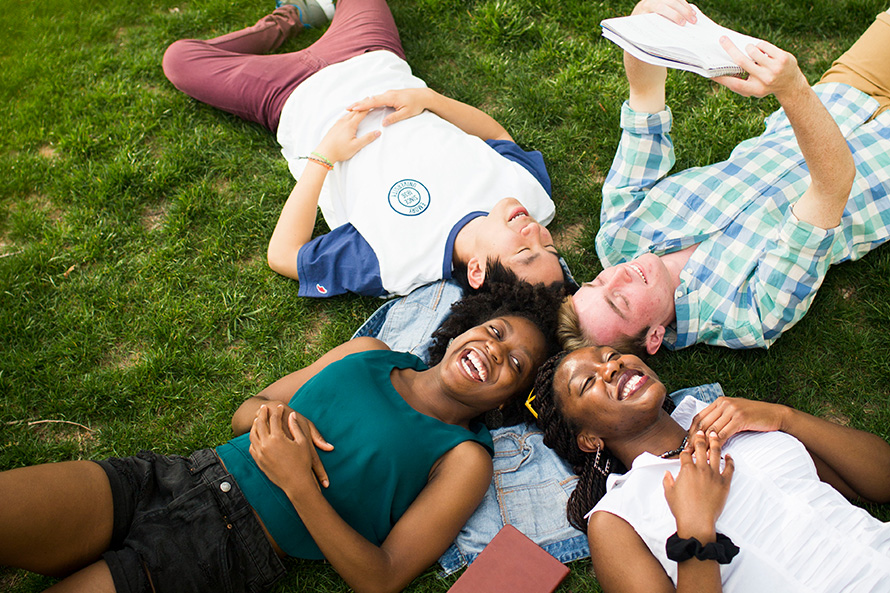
{"x": 560, "y": 434}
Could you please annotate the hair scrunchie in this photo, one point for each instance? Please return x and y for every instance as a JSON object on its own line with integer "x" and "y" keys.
{"x": 680, "y": 550}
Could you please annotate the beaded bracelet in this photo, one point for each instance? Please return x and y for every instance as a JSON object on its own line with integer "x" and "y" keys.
{"x": 318, "y": 158}
{"x": 322, "y": 159}
{"x": 680, "y": 550}
{"x": 320, "y": 162}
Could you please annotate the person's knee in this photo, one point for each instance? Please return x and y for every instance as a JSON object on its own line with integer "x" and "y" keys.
{"x": 175, "y": 60}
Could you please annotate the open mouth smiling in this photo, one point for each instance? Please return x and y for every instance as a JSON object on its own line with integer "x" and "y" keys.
{"x": 639, "y": 271}
{"x": 518, "y": 213}
{"x": 629, "y": 383}
{"x": 475, "y": 365}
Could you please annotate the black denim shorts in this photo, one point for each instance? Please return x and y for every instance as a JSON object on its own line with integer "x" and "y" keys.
{"x": 183, "y": 524}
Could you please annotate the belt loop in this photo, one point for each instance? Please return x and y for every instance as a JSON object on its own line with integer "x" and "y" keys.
{"x": 202, "y": 459}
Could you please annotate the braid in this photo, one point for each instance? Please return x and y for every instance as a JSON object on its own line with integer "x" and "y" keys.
{"x": 560, "y": 434}
{"x": 591, "y": 485}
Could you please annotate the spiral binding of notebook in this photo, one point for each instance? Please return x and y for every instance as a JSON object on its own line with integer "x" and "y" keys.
{"x": 694, "y": 47}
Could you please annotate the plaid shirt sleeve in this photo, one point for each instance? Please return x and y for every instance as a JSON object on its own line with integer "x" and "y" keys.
{"x": 757, "y": 267}
{"x": 645, "y": 155}
{"x": 789, "y": 274}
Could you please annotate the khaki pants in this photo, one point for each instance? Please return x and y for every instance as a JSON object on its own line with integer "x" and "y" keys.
{"x": 866, "y": 65}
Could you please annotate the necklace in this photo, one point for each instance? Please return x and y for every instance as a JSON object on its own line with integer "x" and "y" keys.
{"x": 676, "y": 451}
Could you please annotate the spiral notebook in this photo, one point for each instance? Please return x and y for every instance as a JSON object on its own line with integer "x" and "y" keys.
{"x": 654, "y": 39}
{"x": 511, "y": 563}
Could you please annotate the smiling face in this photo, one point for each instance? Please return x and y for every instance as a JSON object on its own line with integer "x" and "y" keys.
{"x": 488, "y": 364}
{"x": 509, "y": 234}
{"x": 625, "y": 300}
{"x": 606, "y": 394}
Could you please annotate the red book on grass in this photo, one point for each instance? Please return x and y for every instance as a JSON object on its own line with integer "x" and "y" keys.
{"x": 511, "y": 563}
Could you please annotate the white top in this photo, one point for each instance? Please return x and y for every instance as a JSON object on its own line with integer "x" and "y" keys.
{"x": 405, "y": 191}
{"x": 795, "y": 532}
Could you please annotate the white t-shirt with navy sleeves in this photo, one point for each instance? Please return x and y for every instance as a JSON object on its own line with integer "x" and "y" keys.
{"x": 396, "y": 206}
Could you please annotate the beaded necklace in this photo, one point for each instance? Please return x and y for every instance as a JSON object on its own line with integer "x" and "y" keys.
{"x": 676, "y": 451}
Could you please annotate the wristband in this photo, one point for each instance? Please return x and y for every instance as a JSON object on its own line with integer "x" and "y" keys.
{"x": 318, "y": 156}
{"x": 320, "y": 162}
{"x": 680, "y": 550}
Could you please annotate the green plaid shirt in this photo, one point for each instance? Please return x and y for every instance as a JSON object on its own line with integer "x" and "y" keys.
{"x": 757, "y": 267}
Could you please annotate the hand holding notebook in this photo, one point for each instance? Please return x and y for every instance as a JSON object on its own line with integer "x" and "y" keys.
{"x": 695, "y": 47}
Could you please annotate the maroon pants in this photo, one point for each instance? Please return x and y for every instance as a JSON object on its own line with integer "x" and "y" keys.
{"x": 232, "y": 73}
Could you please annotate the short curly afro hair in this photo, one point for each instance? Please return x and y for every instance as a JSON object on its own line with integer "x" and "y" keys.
{"x": 537, "y": 303}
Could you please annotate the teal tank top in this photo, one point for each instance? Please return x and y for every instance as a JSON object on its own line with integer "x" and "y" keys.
{"x": 383, "y": 450}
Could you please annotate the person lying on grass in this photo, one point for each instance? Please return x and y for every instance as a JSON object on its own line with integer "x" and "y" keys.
{"x": 737, "y": 495}
{"x": 732, "y": 253}
{"x": 415, "y": 186}
{"x": 367, "y": 458}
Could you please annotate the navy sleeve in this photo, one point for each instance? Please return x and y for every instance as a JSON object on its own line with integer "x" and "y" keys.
{"x": 533, "y": 161}
{"x": 338, "y": 262}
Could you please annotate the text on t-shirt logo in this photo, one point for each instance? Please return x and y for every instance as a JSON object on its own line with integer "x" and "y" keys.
{"x": 409, "y": 197}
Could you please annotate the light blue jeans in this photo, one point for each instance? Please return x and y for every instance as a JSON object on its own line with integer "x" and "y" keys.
{"x": 531, "y": 484}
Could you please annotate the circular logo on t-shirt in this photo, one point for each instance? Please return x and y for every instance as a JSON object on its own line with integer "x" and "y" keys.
{"x": 409, "y": 197}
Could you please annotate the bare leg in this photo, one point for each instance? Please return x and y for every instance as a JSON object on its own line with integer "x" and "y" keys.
{"x": 56, "y": 518}
{"x": 95, "y": 578}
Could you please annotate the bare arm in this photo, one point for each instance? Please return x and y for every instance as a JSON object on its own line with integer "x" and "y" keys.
{"x": 646, "y": 81}
{"x": 456, "y": 486}
{"x": 297, "y": 218}
{"x": 855, "y": 462}
{"x": 622, "y": 561}
{"x": 774, "y": 71}
{"x": 411, "y": 102}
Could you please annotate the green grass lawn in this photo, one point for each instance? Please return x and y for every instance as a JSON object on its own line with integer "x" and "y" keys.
{"x": 135, "y": 303}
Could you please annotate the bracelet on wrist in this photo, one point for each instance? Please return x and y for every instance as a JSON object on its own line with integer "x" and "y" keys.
{"x": 318, "y": 158}
{"x": 680, "y": 550}
{"x": 322, "y": 158}
{"x": 317, "y": 161}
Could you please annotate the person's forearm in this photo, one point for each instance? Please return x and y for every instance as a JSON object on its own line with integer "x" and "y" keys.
{"x": 645, "y": 155}
{"x": 365, "y": 567}
{"x": 826, "y": 153}
{"x": 243, "y": 417}
{"x": 296, "y": 221}
{"x": 646, "y": 85}
{"x": 471, "y": 120}
{"x": 859, "y": 458}
{"x": 699, "y": 576}
{"x": 694, "y": 575}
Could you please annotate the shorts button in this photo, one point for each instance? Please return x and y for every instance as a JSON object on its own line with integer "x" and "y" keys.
{"x": 225, "y": 486}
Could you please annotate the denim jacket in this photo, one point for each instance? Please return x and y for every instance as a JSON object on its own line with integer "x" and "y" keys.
{"x": 530, "y": 489}
{"x": 531, "y": 484}
{"x": 406, "y": 324}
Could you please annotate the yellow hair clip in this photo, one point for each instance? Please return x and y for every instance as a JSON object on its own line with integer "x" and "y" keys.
{"x": 528, "y": 403}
